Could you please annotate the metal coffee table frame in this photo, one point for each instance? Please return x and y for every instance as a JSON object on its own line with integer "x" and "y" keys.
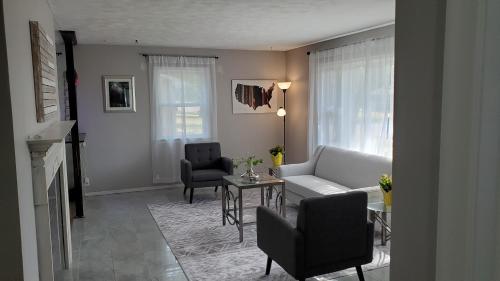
{"x": 232, "y": 206}
{"x": 378, "y": 213}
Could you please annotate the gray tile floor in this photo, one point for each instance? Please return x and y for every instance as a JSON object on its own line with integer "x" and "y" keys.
{"x": 118, "y": 240}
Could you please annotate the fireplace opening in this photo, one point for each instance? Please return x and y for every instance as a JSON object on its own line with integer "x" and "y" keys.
{"x": 56, "y": 225}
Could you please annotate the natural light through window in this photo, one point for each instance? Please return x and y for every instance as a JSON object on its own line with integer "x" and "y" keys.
{"x": 181, "y": 100}
{"x": 352, "y": 94}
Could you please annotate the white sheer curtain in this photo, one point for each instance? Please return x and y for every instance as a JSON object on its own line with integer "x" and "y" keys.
{"x": 183, "y": 110}
{"x": 351, "y": 97}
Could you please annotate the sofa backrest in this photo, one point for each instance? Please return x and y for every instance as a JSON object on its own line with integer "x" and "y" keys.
{"x": 203, "y": 155}
{"x": 351, "y": 168}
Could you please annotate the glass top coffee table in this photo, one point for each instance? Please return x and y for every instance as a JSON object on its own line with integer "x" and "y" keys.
{"x": 232, "y": 205}
{"x": 378, "y": 213}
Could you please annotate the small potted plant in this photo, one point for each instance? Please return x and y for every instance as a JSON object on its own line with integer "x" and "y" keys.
{"x": 250, "y": 162}
{"x": 277, "y": 155}
{"x": 385, "y": 183}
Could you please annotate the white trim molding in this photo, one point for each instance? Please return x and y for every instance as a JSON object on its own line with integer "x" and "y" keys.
{"x": 135, "y": 189}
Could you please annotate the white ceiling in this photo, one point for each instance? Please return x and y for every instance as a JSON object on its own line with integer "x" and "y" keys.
{"x": 223, "y": 24}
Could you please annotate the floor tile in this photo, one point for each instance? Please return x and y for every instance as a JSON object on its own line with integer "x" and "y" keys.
{"x": 118, "y": 240}
{"x": 170, "y": 275}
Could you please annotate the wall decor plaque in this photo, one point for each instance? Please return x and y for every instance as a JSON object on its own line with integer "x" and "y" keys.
{"x": 43, "y": 55}
{"x": 254, "y": 96}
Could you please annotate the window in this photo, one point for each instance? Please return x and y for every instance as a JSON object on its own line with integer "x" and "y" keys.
{"x": 351, "y": 101}
{"x": 182, "y": 103}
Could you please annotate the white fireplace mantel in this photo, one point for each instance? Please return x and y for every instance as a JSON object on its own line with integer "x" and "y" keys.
{"x": 48, "y": 156}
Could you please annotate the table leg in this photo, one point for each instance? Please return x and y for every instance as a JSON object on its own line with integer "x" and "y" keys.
{"x": 269, "y": 195}
{"x": 240, "y": 206}
{"x": 283, "y": 200}
{"x": 262, "y": 196}
{"x": 372, "y": 216}
{"x": 383, "y": 229}
{"x": 224, "y": 189}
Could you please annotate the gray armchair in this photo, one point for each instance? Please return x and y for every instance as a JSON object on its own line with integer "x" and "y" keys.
{"x": 203, "y": 166}
{"x": 332, "y": 234}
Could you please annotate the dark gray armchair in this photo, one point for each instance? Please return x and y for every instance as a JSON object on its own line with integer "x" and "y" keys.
{"x": 203, "y": 166}
{"x": 332, "y": 234}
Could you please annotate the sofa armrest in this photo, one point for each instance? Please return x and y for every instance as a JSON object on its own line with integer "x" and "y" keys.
{"x": 280, "y": 241}
{"x": 227, "y": 165}
{"x": 186, "y": 171}
{"x": 306, "y": 168}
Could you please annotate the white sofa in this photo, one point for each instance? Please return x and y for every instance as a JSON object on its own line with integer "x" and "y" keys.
{"x": 333, "y": 170}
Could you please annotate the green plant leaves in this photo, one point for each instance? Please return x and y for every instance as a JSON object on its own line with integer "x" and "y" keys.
{"x": 385, "y": 182}
{"x": 277, "y": 149}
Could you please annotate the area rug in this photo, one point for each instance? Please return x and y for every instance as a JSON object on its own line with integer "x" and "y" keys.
{"x": 207, "y": 250}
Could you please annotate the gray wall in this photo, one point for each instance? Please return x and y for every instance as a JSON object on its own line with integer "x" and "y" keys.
{"x": 11, "y": 263}
{"x": 17, "y": 15}
{"x": 297, "y": 71}
{"x": 417, "y": 127}
{"x": 119, "y": 144}
{"x": 119, "y": 152}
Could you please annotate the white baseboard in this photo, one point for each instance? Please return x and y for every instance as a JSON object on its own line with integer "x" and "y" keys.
{"x": 135, "y": 189}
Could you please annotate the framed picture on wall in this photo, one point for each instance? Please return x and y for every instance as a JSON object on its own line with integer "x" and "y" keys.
{"x": 119, "y": 93}
{"x": 254, "y": 96}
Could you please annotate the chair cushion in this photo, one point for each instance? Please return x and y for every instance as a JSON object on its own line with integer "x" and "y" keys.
{"x": 208, "y": 175}
{"x": 312, "y": 186}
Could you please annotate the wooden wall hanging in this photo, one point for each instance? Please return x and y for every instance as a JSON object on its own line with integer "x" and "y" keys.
{"x": 43, "y": 54}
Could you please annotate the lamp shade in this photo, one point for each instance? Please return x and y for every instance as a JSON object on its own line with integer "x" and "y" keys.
{"x": 281, "y": 112}
{"x": 284, "y": 85}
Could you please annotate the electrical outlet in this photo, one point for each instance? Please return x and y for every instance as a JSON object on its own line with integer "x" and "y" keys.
{"x": 86, "y": 181}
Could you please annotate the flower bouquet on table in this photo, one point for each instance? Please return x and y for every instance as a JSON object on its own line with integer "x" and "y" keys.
{"x": 250, "y": 162}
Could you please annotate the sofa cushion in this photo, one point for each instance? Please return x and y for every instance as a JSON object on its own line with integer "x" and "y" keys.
{"x": 350, "y": 168}
{"x": 208, "y": 175}
{"x": 312, "y": 186}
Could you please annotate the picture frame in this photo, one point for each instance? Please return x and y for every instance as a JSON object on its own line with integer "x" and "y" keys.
{"x": 254, "y": 96}
{"x": 119, "y": 93}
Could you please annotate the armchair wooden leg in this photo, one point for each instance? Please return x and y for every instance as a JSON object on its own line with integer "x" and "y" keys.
{"x": 268, "y": 265}
{"x": 216, "y": 188}
{"x": 360, "y": 273}
{"x": 191, "y": 195}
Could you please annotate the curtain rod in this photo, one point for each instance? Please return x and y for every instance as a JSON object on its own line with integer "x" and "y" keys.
{"x": 147, "y": 55}
{"x": 353, "y": 43}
